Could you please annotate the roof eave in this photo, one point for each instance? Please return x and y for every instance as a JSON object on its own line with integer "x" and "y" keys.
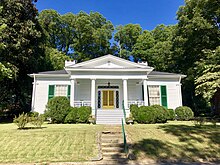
{"x": 108, "y": 69}
{"x": 48, "y": 75}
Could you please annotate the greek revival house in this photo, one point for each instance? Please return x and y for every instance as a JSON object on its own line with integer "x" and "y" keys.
{"x": 107, "y": 84}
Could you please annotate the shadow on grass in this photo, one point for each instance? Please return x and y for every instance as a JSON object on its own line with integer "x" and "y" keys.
{"x": 27, "y": 128}
{"x": 194, "y": 144}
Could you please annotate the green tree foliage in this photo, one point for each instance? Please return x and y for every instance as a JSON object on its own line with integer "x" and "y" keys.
{"x": 197, "y": 30}
{"x": 55, "y": 59}
{"x": 141, "y": 49}
{"x": 208, "y": 81}
{"x": 20, "y": 52}
{"x": 127, "y": 36}
{"x": 155, "y": 47}
{"x": 86, "y": 35}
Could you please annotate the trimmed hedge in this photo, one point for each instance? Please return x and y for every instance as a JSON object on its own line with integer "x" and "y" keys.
{"x": 134, "y": 110}
{"x": 78, "y": 115}
{"x": 57, "y": 109}
{"x": 83, "y": 114}
{"x": 184, "y": 113}
{"x": 171, "y": 114}
{"x": 72, "y": 115}
{"x": 146, "y": 115}
{"x": 160, "y": 113}
{"x": 149, "y": 114}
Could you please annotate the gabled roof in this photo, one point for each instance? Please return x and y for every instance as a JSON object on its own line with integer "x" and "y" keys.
{"x": 58, "y": 73}
{"x": 108, "y": 62}
{"x": 54, "y": 72}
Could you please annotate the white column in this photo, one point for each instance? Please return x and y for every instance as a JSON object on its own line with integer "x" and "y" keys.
{"x": 145, "y": 93}
{"x": 125, "y": 92}
{"x": 93, "y": 95}
{"x": 72, "y": 92}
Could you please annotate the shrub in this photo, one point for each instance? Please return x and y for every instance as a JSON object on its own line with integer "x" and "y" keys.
{"x": 37, "y": 119}
{"x": 134, "y": 110}
{"x": 146, "y": 114}
{"x": 161, "y": 114}
{"x": 171, "y": 114}
{"x": 72, "y": 115}
{"x": 21, "y": 120}
{"x": 184, "y": 113}
{"x": 83, "y": 114}
{"x": 199, "y": 121}
{"x": 57, "y": 109}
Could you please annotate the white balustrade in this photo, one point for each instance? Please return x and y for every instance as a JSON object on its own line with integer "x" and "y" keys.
{"x": 82, "y": 103}
{"x": 137, "y": 102}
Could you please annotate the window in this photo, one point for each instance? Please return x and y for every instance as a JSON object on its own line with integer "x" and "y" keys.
{"x": 61, "y": 90}
{"x": 154, "y": 94}
{"x": 58, "y": 90}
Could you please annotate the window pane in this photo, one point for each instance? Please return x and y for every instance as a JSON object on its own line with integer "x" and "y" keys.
{"x": 154, "y": 94}
{"x": 61, "y": 90}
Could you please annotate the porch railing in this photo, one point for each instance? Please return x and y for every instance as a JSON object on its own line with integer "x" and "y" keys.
{"x": 137, "y": 102}
{"x": 82, "y": 103}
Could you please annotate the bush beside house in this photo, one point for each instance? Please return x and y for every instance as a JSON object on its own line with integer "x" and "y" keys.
{"x": 59, "y": 111}
{"x": 159, "y": 114}
{"x": 184, "y": 113}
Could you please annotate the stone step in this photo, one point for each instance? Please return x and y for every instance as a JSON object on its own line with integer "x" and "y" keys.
{"x": 112, "y": 149}
{"x": 113, "y": 155}
{"x": 108, "y": 136}
{"x": 112, "y": 140}
{"x": 112, "y": 144}
{"x": 113, "y": 161}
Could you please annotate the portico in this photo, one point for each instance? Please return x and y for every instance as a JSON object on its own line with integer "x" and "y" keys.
{"x": 108, "y": 94}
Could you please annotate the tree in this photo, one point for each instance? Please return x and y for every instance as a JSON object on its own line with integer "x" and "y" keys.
{"x": 155, "y": 47}
{"x": 127, "y": 36}
{"x": 197, "y": 30}
{"x": 7, "y": 70}
{"x": 83, "y": 36}
{"x": 208, "y": 81}
{"x": 55, "y": 59}
{"x": 21, "y": 49}
{"x": 141, "y": 49}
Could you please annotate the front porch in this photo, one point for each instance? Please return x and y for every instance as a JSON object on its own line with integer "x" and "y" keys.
{"x": 108, "y": 97}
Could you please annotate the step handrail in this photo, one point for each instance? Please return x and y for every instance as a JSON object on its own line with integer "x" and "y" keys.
{"x": 124, "y": 137}
{"x": 123, "y": 129}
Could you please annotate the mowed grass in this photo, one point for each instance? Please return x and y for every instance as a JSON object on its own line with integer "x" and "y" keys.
{"x": 53, "y": 143}
{"x": 175, "y": 141}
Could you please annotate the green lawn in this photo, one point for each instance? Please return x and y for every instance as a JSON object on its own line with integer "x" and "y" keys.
{"x": 175, "y": 141}
{"x": 53, "y": 143}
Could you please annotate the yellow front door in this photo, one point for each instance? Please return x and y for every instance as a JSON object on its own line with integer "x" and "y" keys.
{"x": 108, "y": 99}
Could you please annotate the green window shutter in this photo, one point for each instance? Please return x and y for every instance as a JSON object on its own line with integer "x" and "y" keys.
{"x": 51, "y": 91}
{"x": 68, "y": 91}
{"x": 163, "y": 95}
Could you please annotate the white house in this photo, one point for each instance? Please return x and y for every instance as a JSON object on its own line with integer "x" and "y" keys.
{"x": 107, "y": 84}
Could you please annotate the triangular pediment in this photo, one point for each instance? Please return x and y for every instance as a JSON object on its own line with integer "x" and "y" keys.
{"x": 108, "y": 62}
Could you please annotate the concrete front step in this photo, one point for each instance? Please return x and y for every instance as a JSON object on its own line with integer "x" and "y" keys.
{"x": 113, "y": 156}
{"x": 112, "y": 149}
{"x": 112, "y": 145}
{"x": 109, "y": 116}
{"x": 112, "y": 140}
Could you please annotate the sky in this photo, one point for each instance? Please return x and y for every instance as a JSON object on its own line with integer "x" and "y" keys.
{"x": 147, "y": 13}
